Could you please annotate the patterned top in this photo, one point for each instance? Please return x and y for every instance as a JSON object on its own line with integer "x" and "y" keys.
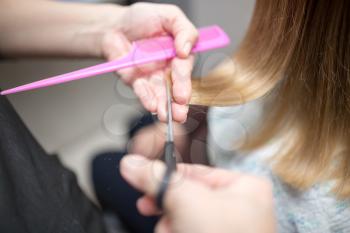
{"x": 313, "y": 211}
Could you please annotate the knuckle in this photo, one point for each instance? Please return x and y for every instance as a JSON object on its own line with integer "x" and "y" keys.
{"x": 195, "y": 33}
{"x": 174, "y": 8}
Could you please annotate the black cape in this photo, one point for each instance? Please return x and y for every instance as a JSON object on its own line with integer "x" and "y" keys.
{"x": 37, "y": 194}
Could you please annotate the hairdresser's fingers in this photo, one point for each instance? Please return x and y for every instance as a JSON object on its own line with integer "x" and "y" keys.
{"x": 143, "y": 70}
{"x": 163, "y": 226}
{"x": 145, "y": 177}
{"x": 175, "y": 22}
{"x": 159, "y": 89}
{"x": 115, "y": 45}
{"x": 145, "y": 93}
{"x": 129, "y": 75}
{"x": 147, "y": 206}
{"x": 181, "y": 70}
{"x": 212, "y": 177}
{"x": 238, "y": 183}
{"x": 180, "y": 112}
{"x": 248, "y": 186}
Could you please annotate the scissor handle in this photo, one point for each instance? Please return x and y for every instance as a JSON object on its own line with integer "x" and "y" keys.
{"x": 170, "y": 161}
{"x": 169, "y": 156}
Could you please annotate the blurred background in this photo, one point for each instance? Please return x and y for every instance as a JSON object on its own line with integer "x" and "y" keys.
{"x": 80, "y": 119}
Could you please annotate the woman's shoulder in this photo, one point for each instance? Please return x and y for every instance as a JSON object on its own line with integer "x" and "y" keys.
{"x": 314, "y": 210}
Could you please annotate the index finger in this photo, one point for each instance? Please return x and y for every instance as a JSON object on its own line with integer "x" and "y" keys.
{"x": 181, "y": 71}
{"x": 176, "y": 23}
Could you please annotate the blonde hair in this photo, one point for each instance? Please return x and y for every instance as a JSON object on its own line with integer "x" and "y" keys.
{"x": 298, "y": 50}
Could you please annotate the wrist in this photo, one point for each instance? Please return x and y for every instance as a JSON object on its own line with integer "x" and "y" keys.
{"x": 106, "y": 18}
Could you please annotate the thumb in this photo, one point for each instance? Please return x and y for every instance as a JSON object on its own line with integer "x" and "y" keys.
{"x": 115, "y": 45}
{"x": 146, "y": 176}
{"x": 143, "y": 174}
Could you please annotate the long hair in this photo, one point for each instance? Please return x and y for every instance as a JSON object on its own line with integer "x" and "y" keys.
{"x": 298, "y": 52}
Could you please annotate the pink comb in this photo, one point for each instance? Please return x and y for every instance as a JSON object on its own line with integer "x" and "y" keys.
{"x": 142, "y": 52}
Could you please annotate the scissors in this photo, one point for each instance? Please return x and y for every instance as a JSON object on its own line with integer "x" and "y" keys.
{"x": 169, "y": 149}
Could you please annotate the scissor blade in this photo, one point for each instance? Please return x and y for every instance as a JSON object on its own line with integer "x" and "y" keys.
{"x": 169, "y": 156}
{"x": 170, "y": 133}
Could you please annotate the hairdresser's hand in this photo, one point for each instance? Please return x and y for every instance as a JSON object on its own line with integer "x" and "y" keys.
{"x": 143, "y": 20}
{"x": 57, "y": 28}
{"x": 202, "y": 199}
{"x": 149, "y": 141}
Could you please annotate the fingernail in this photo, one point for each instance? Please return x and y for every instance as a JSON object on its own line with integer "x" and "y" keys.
{"x": 184, "y": 111}
{"x": 187, "y": 48}
{"x": 182, "y": 97}
{"x": 130, "y": 164}
{"x": 184, "y": 108}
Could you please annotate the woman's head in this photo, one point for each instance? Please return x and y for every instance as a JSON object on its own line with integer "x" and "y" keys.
{"x": 299, "y": 52}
